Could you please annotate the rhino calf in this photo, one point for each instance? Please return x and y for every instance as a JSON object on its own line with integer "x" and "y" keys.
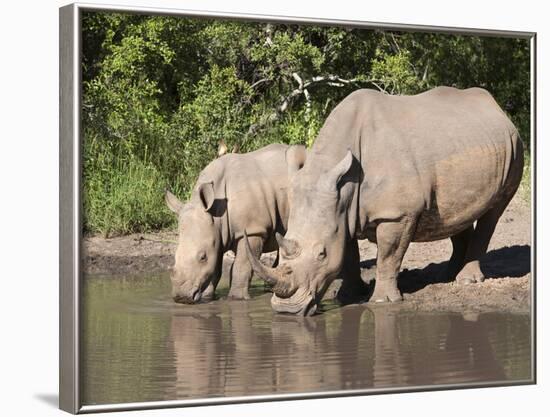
{"x": 233, "y": 193}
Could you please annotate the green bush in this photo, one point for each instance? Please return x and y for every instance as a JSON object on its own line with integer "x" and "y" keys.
{"x": 159, "y": 93}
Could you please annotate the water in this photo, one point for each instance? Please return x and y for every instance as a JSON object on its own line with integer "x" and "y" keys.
{"x": 138, "y": 345}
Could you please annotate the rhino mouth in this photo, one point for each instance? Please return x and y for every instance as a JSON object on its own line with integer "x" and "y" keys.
{"x": 195, "y": 296}
{"x": 180, "y": 299}
{"x": 301, "y": 304}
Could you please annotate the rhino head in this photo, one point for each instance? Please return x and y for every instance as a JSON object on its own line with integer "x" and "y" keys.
{"x": 199, "y": 254}
{"x": 312, "y": 251}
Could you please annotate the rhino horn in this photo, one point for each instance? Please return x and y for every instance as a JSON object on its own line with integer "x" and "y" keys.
{"x": 288, "y": 246}
{"x": 282, "y": 283}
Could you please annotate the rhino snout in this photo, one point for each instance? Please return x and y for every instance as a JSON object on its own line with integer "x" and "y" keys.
{"x": 302, "y": 304}
{"x": 185, "y": 296}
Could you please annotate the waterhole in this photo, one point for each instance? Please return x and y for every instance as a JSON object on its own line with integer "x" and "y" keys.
{"x": 138, "y": 345}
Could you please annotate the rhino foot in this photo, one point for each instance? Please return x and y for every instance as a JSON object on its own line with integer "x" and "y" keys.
{"x": 466, "y": 277}
{"x": 239, "y": 294}
{"x": 450, "y": 273}
{"x": 385, "y": 292}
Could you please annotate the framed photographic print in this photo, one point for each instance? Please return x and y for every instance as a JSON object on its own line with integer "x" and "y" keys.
{"x": 260, "y": 208}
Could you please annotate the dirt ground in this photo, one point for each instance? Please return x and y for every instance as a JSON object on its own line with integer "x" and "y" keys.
{"x": 507, "y": 265}
{"x": 135, "y": 253}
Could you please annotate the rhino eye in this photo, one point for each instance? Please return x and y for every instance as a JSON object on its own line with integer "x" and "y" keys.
{"x": 201, "y": 256}
{"x": 322, "y": 254}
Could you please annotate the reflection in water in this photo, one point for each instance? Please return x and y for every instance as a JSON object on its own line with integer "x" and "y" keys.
{"x": 140, "y": 346}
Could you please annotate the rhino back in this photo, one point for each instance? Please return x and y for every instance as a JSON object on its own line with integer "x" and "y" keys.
{"x": 256, "y": 187}
{"x": 446, "y": 155}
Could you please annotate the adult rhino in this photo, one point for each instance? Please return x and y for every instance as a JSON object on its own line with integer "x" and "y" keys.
{"x": 234, "y": 192}
{"x": 395, "y": 170}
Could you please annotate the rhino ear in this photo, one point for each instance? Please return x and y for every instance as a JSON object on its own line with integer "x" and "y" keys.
{"x": 206, "y": 194}
{"x": 331, "y": 179}
{"x": 173, "y": 202}
{"x": 222, "y": 148}
{"x": 295, "y": 158}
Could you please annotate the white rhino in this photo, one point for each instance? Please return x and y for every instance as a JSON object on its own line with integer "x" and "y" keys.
{"x": 234, "y": 192}
{"x": 395, "y": 170}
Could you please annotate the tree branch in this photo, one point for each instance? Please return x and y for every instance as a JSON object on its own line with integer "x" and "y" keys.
{"x": 395, "y": 42}
{"x": 425, "y": 75}
{"x": 298, "y": 80}
{"x": 308, "y": 100}
{"x": 303, "y": 86}
{"x": 257, "y": 83}
{"x": 268, "y": 33}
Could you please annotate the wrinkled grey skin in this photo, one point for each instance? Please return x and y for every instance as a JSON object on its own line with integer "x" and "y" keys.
{"x": 395, "y": 170}
{"x": 233, "y": 193}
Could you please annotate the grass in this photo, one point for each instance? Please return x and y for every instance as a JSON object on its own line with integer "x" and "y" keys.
{"x": 525, "y": 185}
{"x": 124, "y": 198}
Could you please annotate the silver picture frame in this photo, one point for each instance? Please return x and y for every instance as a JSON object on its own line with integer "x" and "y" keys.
{"x": 70, "y": 205}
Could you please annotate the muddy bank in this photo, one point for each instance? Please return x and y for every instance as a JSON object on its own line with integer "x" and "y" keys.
{"x": 422, "y": 280}
{"x": 136, "y": 253}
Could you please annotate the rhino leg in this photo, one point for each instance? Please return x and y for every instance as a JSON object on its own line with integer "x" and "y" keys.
{"x": 392, "y": 239}
{"x": 241, "y": 272}
{"x": 353, "y": 287}
{"x": 477, "y": 247}
{"x": 486, "y": 224}
{"x": 460, "y": 246}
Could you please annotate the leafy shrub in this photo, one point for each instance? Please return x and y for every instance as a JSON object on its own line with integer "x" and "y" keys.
{"x": 159, "y": 93}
